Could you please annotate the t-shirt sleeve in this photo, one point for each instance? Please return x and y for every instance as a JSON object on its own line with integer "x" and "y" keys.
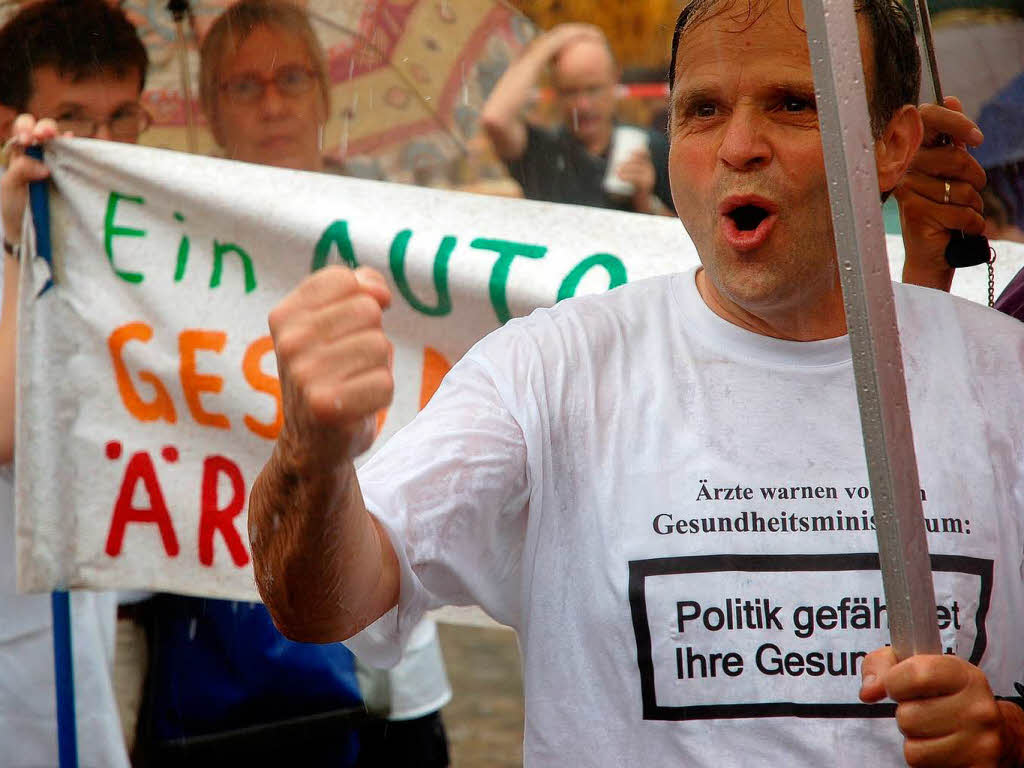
{"x": 452, "y": 491}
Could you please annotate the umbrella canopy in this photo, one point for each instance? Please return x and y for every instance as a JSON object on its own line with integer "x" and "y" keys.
{"x": 1002, "y": 154}
{"x": 979, "y": 45}
{"x": 1002, "y": 122}
{"x": 408, "y": 77}
{"x": 980, "y": 49}
{"x": 408, "y": 90}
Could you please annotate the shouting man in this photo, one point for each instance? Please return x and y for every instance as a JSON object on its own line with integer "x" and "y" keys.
{"x": 663, "y": 489}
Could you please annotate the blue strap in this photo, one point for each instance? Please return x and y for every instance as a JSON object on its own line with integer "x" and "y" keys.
{"x": 39, "y": 201}
{"x": 63, "y": 665}
{"x": 64, "y": 673}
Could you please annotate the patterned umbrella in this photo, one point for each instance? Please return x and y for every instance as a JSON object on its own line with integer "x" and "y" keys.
{"x": 408, "y": 77}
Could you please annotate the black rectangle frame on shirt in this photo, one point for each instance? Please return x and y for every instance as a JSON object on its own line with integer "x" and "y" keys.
{"x": 640, "y": 570}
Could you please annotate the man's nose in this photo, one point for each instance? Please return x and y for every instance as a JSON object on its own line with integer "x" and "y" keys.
{"x": 102, "y": 132}
{"x": 744, "y": 144}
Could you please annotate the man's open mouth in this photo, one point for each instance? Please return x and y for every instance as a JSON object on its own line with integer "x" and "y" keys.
{"x": 747, "y": 221}
{"x": 748, "y": 217}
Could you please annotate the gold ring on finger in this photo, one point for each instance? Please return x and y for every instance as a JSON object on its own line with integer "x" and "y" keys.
{"x": 945, "y": 196}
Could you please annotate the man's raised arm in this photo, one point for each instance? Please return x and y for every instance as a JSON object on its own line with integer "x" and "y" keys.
{"x": 323, "y": 565}
{"x": 502, "y": 115}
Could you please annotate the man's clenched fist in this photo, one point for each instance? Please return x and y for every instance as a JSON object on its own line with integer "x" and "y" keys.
{"x": 323, "y": 566}
{"x": 334, "y": 362}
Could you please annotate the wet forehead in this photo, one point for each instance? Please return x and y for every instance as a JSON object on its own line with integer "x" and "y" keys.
{"x": 739, "y": 44}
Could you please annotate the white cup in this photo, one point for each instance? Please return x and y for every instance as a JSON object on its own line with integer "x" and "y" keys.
{"x": 626, "y": 140}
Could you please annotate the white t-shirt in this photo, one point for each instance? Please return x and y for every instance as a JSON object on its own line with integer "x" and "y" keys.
{"x": 28, "y": 719}
{"x": 672, "y": 513}
{"x": 414, "y": 687}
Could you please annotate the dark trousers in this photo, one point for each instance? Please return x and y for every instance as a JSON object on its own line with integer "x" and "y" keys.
{"x": 419, "y": 743}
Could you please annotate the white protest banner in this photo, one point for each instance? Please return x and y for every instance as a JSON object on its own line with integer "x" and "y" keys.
{"x": 148, "y": 397}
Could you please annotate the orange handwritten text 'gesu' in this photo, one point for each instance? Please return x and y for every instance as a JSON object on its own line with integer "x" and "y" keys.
{"x": 194, "y": 383}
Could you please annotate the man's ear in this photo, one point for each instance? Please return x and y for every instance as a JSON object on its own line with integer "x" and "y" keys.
{"x": 897, "y": 146}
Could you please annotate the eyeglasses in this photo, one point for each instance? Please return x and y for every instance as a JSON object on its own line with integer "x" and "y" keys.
{"x": 124, "y": 125}
{"x": 249, "y": 88}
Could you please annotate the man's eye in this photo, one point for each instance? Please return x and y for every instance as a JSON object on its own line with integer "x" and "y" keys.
{"x": 705, "y": 110}
{"x": 796, "y": 105}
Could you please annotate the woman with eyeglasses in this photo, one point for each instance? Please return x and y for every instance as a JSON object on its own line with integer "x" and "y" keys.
{"x": 263, "y": 85}
{"x": 224, "y": 685}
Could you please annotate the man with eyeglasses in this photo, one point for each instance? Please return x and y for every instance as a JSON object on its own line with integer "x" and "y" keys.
{"x": 80, "y": 64}
{"x": 569, "y": 165}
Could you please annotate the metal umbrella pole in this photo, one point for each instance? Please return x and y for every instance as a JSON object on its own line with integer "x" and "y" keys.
{"x": 871, "y": 321}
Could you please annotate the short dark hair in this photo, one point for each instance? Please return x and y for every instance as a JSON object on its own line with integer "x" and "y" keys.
{"x": 897, "y": 64}
{"x": 78, "y": 38}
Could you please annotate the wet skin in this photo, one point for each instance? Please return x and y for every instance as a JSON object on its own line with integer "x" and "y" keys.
{"x": 748, "y": 175}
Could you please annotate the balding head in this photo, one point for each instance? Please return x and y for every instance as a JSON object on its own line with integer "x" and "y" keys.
{"x": 590, "y": 56}
{"x": 585, "y": 76}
